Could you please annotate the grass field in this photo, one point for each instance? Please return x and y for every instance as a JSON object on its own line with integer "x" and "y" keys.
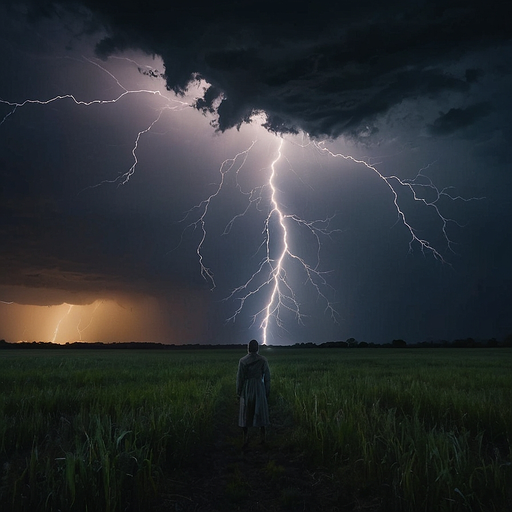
{"x": 108, "y": 430}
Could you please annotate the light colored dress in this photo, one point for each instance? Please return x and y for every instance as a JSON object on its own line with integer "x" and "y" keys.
{"x": 253, "y": 388}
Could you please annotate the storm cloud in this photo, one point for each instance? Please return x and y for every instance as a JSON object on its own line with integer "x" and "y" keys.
{"x": 327, "y": 70}
{"x": 458, "y": 118}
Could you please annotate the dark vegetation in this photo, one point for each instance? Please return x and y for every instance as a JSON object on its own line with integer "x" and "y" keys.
{"x": 351, "y": 430}
{"x": 349, "y": 343}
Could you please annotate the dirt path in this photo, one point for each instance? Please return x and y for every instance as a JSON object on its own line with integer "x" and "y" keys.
{"x": 265, "y": 477}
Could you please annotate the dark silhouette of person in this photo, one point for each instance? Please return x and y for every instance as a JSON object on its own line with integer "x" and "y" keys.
{"x": 253, "y": 389}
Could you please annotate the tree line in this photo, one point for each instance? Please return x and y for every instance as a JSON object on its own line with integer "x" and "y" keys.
{"x": 350, "y": 343}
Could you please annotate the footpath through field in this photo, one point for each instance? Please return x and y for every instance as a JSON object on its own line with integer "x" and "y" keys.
{"x": 265, "y": 477}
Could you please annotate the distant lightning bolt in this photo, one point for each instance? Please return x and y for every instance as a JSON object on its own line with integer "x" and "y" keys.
{"x": 56, "y": 332}
{"x": 81, "y": 330}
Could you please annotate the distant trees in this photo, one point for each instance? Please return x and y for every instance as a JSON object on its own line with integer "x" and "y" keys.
{"x": 334, "y": 344}
{"x": 349, "y": 343}
{"x": 400, "y": 343}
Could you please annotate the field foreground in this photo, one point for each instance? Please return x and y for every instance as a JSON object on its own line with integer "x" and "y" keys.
{"x": 352, "y": 429}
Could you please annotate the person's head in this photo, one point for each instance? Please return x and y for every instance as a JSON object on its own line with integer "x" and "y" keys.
{"x": 253, "y": 347}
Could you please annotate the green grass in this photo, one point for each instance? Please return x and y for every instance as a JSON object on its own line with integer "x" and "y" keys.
{"x": 101, "y": 430}
{"x": 97, "y": 430}
{"x": 425, "y": 430}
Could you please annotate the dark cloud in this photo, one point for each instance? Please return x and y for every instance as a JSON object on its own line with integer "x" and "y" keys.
{"x": 473, "y": 75}
{"x": 458, "y": 118}
{"x": 327, "y": 70}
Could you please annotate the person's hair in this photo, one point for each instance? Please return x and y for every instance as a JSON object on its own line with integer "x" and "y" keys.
{"x": 253, "y": 346}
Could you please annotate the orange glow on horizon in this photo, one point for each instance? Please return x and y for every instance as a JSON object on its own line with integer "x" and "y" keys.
{"x": 108, "y": 321}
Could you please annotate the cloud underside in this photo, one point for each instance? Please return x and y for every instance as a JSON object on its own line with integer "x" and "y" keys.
{"x": 459, "y": 118}
{"x": 328, "y": 71}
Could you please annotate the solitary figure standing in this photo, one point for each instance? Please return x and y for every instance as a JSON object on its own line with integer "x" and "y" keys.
{"x": 253, "y": 389}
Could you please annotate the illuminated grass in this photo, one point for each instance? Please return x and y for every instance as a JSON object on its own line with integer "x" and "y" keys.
{"x": 102, "y": 430}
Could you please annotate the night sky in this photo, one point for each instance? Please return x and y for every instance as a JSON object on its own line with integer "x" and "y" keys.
{"x": 151, "y": 155}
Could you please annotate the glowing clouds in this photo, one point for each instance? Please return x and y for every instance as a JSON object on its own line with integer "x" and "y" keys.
{"x": 128, "y": 319}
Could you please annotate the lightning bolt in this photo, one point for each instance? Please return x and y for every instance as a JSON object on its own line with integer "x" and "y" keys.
{"x": 419, "y": 182}
{"x": 81, "y": 330}
{"x": 171, "y": 104}
{"x": 57, "y": 327}
{"x": 230, "y": 165}
{"x": 271, "y": 277}
{"x": 272, "y": 273}
{"x": 282, "y": 295}
{"x": 15, "y": 105}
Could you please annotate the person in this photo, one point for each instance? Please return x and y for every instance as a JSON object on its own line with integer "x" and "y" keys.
{"x": 253, "y": 389}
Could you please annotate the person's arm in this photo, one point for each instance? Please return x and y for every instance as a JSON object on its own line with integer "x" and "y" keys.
{"x": 239, "y": 380}
{"x": 266, "y": 378}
